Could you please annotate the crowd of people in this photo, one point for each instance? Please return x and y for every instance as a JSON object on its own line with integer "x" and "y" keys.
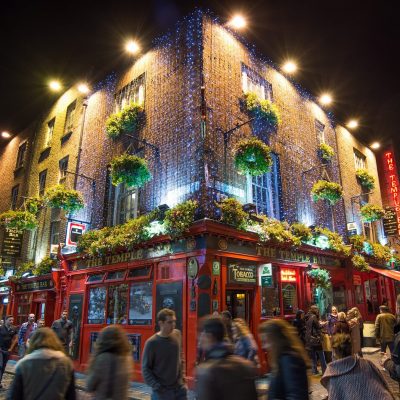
{"x": 227, "y": 358}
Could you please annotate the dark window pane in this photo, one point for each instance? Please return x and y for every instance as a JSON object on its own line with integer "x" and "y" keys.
{"x": 139, "y": 272}
{"x": 141, "y": 303}
{"x": 97, "y": 305}
{"x": 95, "y": 278}
{"x": 115, "y": 275}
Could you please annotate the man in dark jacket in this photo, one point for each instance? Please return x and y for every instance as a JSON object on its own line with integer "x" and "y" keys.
{"x": 223, "y": 376}
{"x": 64, "y": 330}
{"x": 384, "y": 328}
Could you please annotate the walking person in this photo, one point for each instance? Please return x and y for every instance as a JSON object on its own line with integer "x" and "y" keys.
{"x": 162, "y": 362}
{"x": 341, "y": 325}
{"x": 63, "y": 329}
{"x": 45, "y": 372}
{"x": 25, "y": 331}
{"x": 314, "y": 339}
{"x": 227, "y": 319}
{"x": 354, "y": 326}
{"x": 223, "y": 375}
{"x": 8, "y": 341}
{"x": 300, "y": 324}
{"x": 245, "y": 345}
{"x": 288, "y": 359}
{"x": 352, "y": 377}
{"x": 110, "y": 367}
{"x": 384, "y": 328}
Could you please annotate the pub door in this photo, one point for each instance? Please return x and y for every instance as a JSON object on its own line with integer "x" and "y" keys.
{"x": 238, "y": 303}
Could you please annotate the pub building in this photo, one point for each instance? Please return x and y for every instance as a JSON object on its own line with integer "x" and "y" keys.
{"x": 214, "y": 269}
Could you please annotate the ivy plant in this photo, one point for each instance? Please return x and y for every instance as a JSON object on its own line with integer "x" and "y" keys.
{"x": 277, "y": 231}
{"x": 366, "y": 180}
{"x": 301, "y": 231}
{"x": 232, "y": 213}
{"x": 34, "y": 204}
{"x": 179, "y": 218}
{"x": 329, "y": 191}
{"x": 129, "y": 169}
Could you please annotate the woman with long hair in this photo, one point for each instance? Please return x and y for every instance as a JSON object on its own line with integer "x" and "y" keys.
{"x": 341, "y": 325}
{"x": 245, "y": 345}
{"x": 45, "y": 372}
{"x": 352, "y": 377}
{"x": 287, "y": 358}
{"x": 110, "y": 368}
{"x": 354, "y": 326}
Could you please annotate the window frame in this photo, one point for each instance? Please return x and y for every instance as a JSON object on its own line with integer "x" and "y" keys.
{"x": 14, "y": 196}
{"x": 319, "y": 131}
{"x": 63, "y": 172}
{"x": 52, "y": 233}
{"x": 248, "y": 74}
{"x": 127, "y": 94}
{"x": 360, "y": 160}
{"x": 140, "y": 278}
{"x": 50, "y": 132}
{"x": 42, "y": 188}
{"x": 69, "y": 117}
{"x": 21, "y": 155}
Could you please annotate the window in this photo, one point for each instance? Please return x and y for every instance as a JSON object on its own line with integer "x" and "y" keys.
{"x": 95, "y": 278}
{"x": 14, "y": 197}
{"x": 265, "y": 191}
{"x": 54, "y": 232}
{"x": 115, "y": 275}
{"x": 319, "y": 129}
{"x": 141, "y": 303}
{"x": 289, "y": 298}
{"x": 371, "y": 295}
{"x": 131, "y": 93}
{"x": 21, "y": 155}
{"x": 97, "y": 305}
{"x": 117, "y": 304}
{"x": 24, "y": 307}
{"x": 270, "y": 295}
{"x": 42, "y": 182}
{"x": 69, "y": 119}
{"x": 252, "y": 82}
{"x": 50, "y": 131}
{"x": 63, "y": 168}
{"x": 138, "y": 273}
{"x": 359, "y": 160}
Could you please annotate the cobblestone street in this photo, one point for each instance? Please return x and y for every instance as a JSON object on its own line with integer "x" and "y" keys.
{"x": 142, "y": 392}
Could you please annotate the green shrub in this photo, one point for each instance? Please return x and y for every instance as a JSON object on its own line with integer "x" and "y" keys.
{"x": 360, "y": 264}
{"x": 301, "y": 231}
{"x": 179, "y": 218}
{"x": 232, "y": 213}
{"x": 326, "y": 152}
{"x": 125, "y": 121}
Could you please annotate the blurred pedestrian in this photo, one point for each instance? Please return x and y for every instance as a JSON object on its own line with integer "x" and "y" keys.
{"x": 332, "y": 319}
{"x": 163, "y": 362}
{"x": 227, "y": 319}
{"x": 341, "y": 325}
{"x": 300, "y": 324}
{"x": 351, "y": 377}
{"x": 45, "y": 373}
{"x": 384, "y": 328}
{"x": 25, "y": 331}
{"x": 223, "y": 375}
{"x": 354, "y": 326}
{"x": 245, "y": 345}
{"x": 288, "y": 360}
{"x": 314, "y": 339}
{"x": 361, "y": 323}
{"x": 8, "y": 341}
{"x": 110, "y": 367}
{"x": 63, "y": 329}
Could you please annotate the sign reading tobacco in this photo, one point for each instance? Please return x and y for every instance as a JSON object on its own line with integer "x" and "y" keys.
{"x": 242, "y": 274}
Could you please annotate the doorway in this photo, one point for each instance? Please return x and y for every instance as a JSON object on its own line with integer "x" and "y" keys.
{"x": 238, "y": 304}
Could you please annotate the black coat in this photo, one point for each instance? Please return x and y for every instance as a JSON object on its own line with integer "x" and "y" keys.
{"x": 314, "y": 329}
{"x": 300, "y": 325}
{"x": 290, "y": 381}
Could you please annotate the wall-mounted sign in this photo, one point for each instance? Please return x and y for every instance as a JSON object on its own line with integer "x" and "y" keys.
{"x": 265, "y": 275}
{"x": 351, "y": 228}
{"x": 74, "y": 231}
{"x": 242, "y": 274}
{"x": 390, "y": 222}
{"x": 12, "y": 242}
{"x": 192, "y": 267}
{"x": 216, "y": 268}
{"x": 288, "y": 275}
{"x": 43, "y": 284}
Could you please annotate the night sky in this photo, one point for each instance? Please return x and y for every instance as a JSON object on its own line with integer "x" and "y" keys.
{"x": 349, "y": 48}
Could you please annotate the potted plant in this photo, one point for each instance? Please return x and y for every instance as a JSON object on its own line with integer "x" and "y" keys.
{"x": 232, "y": 213}
{"x": 371, "y": 213}
{"x": 129, "y": 169}
{"x": 21, "y": 220}
{"x": 125, "y": 121}
{"x": 252, "y": 157}
{"x": 366, "y": 180}
{"x": 263, "y": 110}
{"x": 324, "y": 190}
{"x": 320, "y": 277}
{"x": 325, "y": 152}
{"x": 359, "y": 263}
{"x": 179, "y": 218}
{"x": 67, "y": 199}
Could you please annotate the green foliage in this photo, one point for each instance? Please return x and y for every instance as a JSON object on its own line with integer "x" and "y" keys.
{"x": 253, "y": 157}
{"x": 380, "y": 252}
{"x": 22, "y": 268}
{"x": 321, "y": 277}
{"x": 44, "y": 267}
{"x": 301, "y": 231}
{"x": 60, "y": 197}
{"x": 232, "y": 213}
{"x": 366, "y": 180}
{"x": 21, "y": 220}
{"x": 335, "y": 241}
{"x": 179, "y": 218}
{"x": 324, "y": 190}
{"x": 262, "y": 109}
{"x": 326, "y": 152}
{"x": 125, "y": 121}
{"x": 371, "y": 213}
{"x": 358, "y": 242}
{"x": 34, "y": 205}
{"x": 131, "y": 170}
{"x": 360, "y": 264}
{"x": 277, "y": 231}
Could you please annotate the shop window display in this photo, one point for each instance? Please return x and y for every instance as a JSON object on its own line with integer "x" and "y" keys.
{"x": 141, "y": 303}
{"x": 117, "y": 304}
{"x": 289, "y": 296}
{"x": 97, "y": 304}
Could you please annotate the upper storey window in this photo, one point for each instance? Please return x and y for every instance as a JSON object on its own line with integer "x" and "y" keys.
{"x": 69, "y": 119}
{"x": 49, "y": 133}
{"x": 133, "y": 92}
{"x": 21, "y": 155}
{"x": 320, "y": 131}
{"x": 252, "y": 82}
{"x": 359, "y": 160}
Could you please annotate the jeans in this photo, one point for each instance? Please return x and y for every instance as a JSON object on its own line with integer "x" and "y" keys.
{"x": 314, "y": 354}
{"x": 4, "y": 356}
{"x": 179, "y": 393}
{"x": 384, "y": 344}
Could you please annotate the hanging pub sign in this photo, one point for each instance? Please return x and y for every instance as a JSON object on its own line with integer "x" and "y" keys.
{"x": 242, "y": 274}
{"x": 12, "y": 242}
{"x": 74, "y": 231}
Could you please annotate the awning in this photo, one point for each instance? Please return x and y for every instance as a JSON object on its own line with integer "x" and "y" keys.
{"x": 387, "y": 272}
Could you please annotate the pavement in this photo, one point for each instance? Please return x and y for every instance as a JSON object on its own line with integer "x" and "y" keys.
{"x": 140, "y": 391}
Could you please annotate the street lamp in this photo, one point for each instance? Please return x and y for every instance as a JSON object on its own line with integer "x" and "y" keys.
{"x": 289, "y": 67}
{"x": 375, "y": 145}
{"x": 237, "y": 22}
{"x": 352, "y": 124}
{"x": 325, "y": 99}
{"x": 83, "y": 88}
{"x": 55, "y": 86}
{"x": 132, "y": 47}
{"x": 5, "y": 135}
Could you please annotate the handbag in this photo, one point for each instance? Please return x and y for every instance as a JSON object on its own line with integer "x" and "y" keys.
{"x": 315, "y": 341}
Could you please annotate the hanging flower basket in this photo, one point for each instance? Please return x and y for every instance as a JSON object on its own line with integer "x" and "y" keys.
{"x": 60, "y": 197}
{"x": 21, "y": 220}
{"x": 320, "y": 277}
{"x": 326, "y": 152}
{"x": 371, "y": 213}
{"x": 232, "y": 213}
{"x": 252, "y": 157}
{"x": 179, "y": 218}
{"x": 263, "y": 110}
{"x": 359, "y": 263}
{"x": 324, "y": 190}
{"x": 34, "y": 205}
{"x": 366, "y": 180}
{"x": 131, "y": 170}
{"x": 125, "y": 121}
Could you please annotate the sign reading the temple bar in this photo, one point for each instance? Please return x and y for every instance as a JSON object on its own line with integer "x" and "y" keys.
{"x": 43, "y": 284}
{"x": 243, "y": 274}
{"x": 12, "y": 242}
{"x": 390, "y": 221}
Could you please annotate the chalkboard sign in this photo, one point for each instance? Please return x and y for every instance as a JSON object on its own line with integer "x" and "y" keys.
{"x": 12, "y": 242}
{"x": 390, "y": 226}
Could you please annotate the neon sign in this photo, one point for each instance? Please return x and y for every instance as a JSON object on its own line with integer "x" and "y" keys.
{"x": 392, "y": 184}
{"x": 288, "y": 275}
